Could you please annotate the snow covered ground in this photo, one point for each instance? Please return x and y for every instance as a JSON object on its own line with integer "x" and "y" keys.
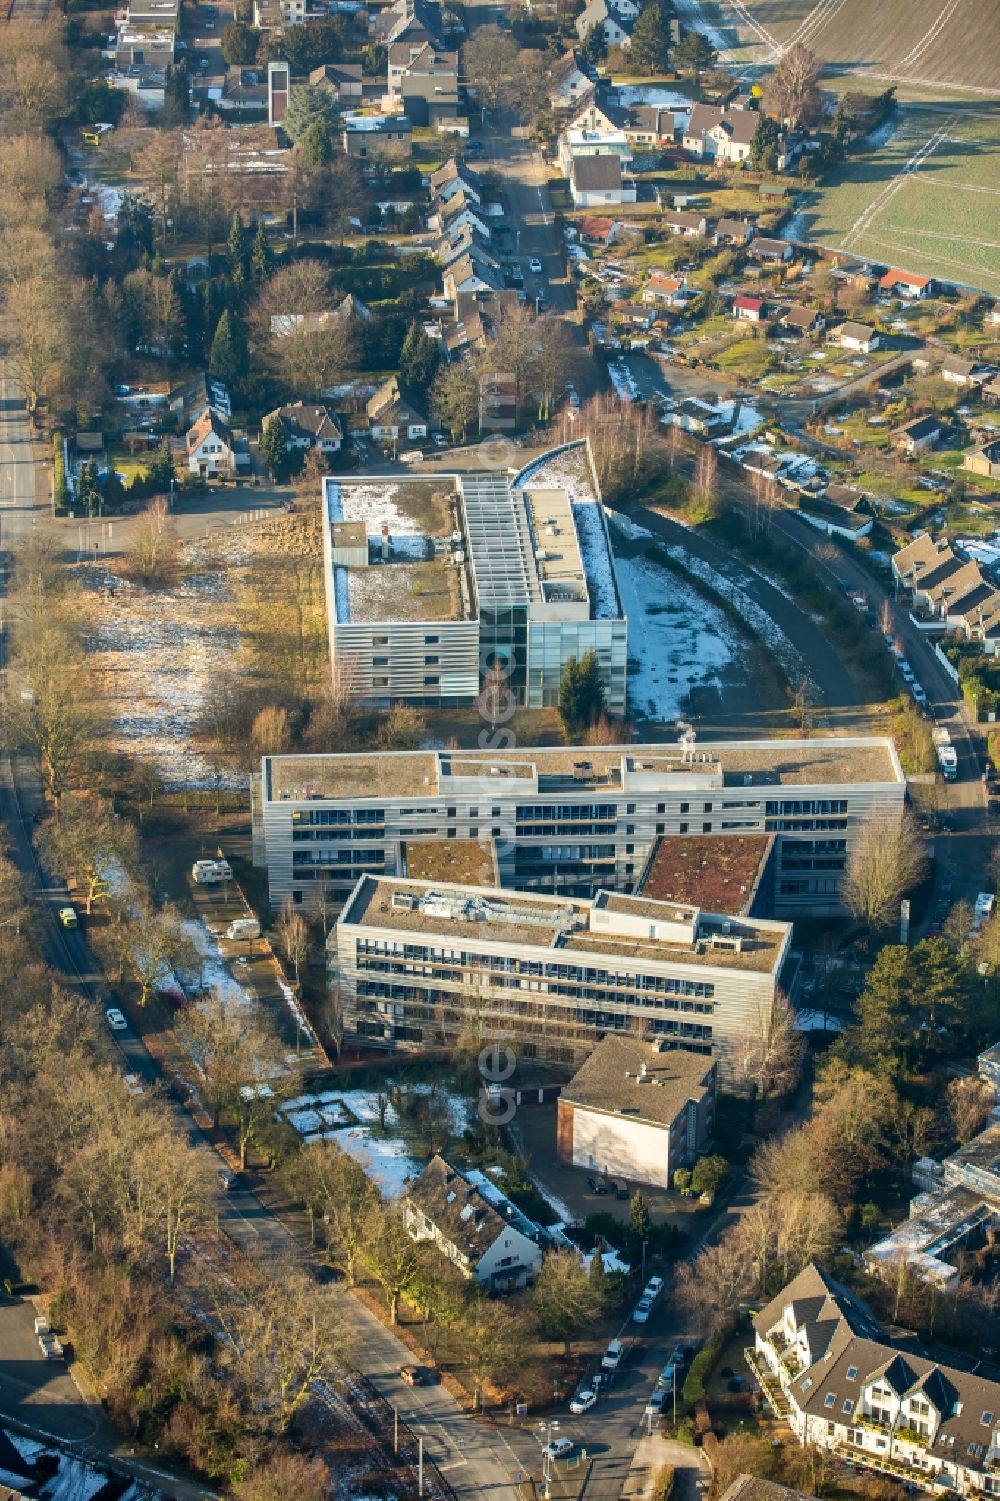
{"x": 160, "y": 655}
{"x": 623, "y": 381}
{"x": 631, "y": 94}
{"x": 596, "y": 556}
{"x": 213, "y": 971}
{"x": 677, "y": 641}
{"x": 350, "y": 1118}
{"x": 373, "y": 504}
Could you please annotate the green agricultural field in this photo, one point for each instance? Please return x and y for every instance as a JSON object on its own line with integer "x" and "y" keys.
{"x": 927, "y": 200}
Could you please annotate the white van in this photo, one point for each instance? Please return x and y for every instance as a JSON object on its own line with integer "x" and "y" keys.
{"x": 612, "y": 1357}
{"x": 243, "y": 927}
{"x": 211, "y": 872}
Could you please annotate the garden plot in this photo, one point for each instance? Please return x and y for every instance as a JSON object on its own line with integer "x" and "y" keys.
{"x": 158, "y": 655}
{"x": 350, "y": 1117}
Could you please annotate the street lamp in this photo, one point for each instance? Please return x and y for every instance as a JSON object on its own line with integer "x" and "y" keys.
{"x": 547, "y": 1428}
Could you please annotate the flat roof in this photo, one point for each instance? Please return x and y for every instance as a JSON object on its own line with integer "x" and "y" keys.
{"x": 719, "y": 872}
{"x": 486, "y": 914}
{"x": 838, "y": 760}
{"x": 400, "y": 589}
{"x": 454, "y": 860}
{"x": 558, "y": 559}
{"x": 638, "y": 1081}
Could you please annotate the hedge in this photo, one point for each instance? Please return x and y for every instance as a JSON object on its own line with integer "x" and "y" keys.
{"x": 60, "y": 490}
{"x": 701, "y": 1366}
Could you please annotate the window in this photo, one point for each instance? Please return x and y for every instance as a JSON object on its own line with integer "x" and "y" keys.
{"x": 830, "y": 1399}
{"x": 852, "y": 1373}
{"x": 685, "y": 807}
{"x": 987, "y": 1419}
{"x": 432, "y": 661}
{"x": 848, "y": 1406}
{"x": 683, "y": 828}
{"x": 380, "y": 661}
{"x": 431, "y": 682}
{"x": 380, "y": 641}
{"x": 706, "y": 828}
{"x": 807, "y": 1383}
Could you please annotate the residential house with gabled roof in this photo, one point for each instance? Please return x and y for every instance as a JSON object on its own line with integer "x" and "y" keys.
{"x": 595, "y": 180}
{"x": 827, "y": 1367}
{"x": 690, "y": 225}
{"x": 748, "y": 309}
{"x": 210, "y": 447}
{"x": 345, "y": 81}
{"x": 765, "y": 248}
{"x": 858, "y": 336}
{"x": 595, "y": 111}
{"x": 452, "y": 246}
{"x": 308, "y": 425}
{"x": 906, "y": 284}
{"x": 393, "y": 412}
{"x": 734, "y": 231}
{"x": 453, "y": 177}
{"x": 723, "y": 135}
{"x": 473, "y": 1223}
{"x": 569, "y": 80}
{"x": 985, "y": 460}
{"x": 663, "y": 290}
{"x": 959, "y": 372}
{"x": 922, "y": 432}
{"x": 425, "y": 81}
{"x": 614, "y": 18}
{"x": 463, "y": 336}
{"x": 802, "y": 320}
{"x": 452, "y": 213}
{"x": 200, "y": 394}
{"x": 650, "y": 125}
{"x": 471, "y": 272}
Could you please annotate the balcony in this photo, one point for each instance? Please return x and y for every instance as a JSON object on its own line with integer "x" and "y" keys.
{"x": 773, "y": 1395}
{"x": 885, "y": 1464}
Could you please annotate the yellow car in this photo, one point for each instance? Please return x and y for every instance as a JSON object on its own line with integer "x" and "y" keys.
{"x": 68, "y": 917}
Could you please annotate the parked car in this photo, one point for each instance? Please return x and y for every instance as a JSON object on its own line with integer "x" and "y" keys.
{"x": 621, "y": 1188}
{"x": 535, "y": 265}
{"x": 411, "y": 1375}
{"x": 583, "y": 1401}
{"x": 612, "y": 1357}
{"x": 68, "y": 917}
{"x": 653, "y": 1288}
{"x": 597, "y": 1186}
{"x": 654, "y": 1406}
{"x": 115, "y": 1019}
{"x": 558, "y": 1448}
{"x": 667, "y": 1376}
{"x": 679, "y": 1355}
{"x": 642, "y": 1310}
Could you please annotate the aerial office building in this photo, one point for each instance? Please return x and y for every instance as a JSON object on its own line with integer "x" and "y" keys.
{"x": 430, "y": 582}
{"x": 572, "y": 820}
{"x": 420, "y": 963}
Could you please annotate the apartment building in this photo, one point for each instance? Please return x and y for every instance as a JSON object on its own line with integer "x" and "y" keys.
{"x": 461, "y": 572}
{"x": 637, "y": 1110}
{"x": 572, "y": 820}
{"x": 418, "y": 963}
{"x": 827, "y": 1368}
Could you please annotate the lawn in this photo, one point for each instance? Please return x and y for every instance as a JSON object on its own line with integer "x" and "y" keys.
{"x": 925, "y": 201}
{"x": 749, "y": 357}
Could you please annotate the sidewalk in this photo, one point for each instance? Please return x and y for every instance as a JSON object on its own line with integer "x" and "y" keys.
{"x": 691, "y": 1469}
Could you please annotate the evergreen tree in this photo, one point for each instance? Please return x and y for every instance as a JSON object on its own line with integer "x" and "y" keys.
{"x": 638, "y": 1216}
{"x": 306, "y": 104}
{"x": 595, "y": 45}
{"x": 88, "y": 487}
{"x": 597, "y": 1275}
{"x": 569, "y": 697}
{"x": 651, "y": 37}
{"x": 229, "y": 358}
{"x": 696, "y": 51}
{"x": 261, "y": 256}
{"x": 884, "y": 1011}
{"x": 418, "y": 359}
{"x": 239, "y": 249}
{"x": 316, "y": 146}
{"x": 591, "y": 689}
{"x": 763, "y": 155}
{"x": 176, "y": 98}
{"x": 273, "y": 448}
{"x": 239, "y": 43}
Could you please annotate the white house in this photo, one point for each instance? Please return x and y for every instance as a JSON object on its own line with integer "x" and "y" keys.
{"x": 210, "y": 446}
{"x": 594, "y": 180}
{"x": 637, "y": 1110}
{"x": 614, "y": 20}
{"x": 720, "y": 134}
{"x": 826, "y": 1367}
{"x": 308, "y": 426}
{"x": 474, "y": 1225}
{"x": 568, "y": 80}
{"x": 857, "y": 336}
{"x": 393, "y": 413}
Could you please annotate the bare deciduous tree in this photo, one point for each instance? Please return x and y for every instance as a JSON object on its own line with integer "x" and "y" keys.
{"x": 791, "y": 92}
{"x": 969, "y": 1102}
{"x": 155, "y": 548}
{"x": 769, "y": 1054}
{"x": 89, "y": 843}
{"x": 391, "y": 1256}
{"x": 889, "y": 858}
{"x": 293, "y": 936}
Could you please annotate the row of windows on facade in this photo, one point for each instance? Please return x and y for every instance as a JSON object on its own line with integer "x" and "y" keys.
{"x": 619, "y": 995}
{"x": 396, "y": 1001}
{"x": 563, "y": 812}
{"x": 535, "y": 968}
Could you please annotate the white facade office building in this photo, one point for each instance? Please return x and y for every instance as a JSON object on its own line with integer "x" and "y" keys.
{"x": 571, "y": 820}
{"x": 419, "y": 963}
{"x": 430, "y": 582}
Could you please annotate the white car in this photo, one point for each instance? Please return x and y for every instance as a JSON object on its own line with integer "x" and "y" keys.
{"x": 654, "y": 1406}
{"x": 115, "y": 1019}
{"x": 583, "y": 1402}
{"x": 559, "y": 1448}
{"x": 653, "y": 1288}
{"x": 134, "y": 1084}
{"x": 535, "y": 265}
{"x": 642, "y": 1310}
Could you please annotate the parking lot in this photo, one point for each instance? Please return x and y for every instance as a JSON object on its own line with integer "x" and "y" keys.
{"x": 39, "y": 1392}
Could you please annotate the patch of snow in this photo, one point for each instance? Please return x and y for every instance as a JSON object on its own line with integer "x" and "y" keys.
{"x": 28, "y": 1448}
{"x": 596, "y": 555}
{"x": 374, "y": 504}
{"x": 612, "y": 1262}
{"x": 623, "y": 381}
{"x": 677, "y": 640}
{"x": 809, "y": 1020}
{"x": 214, "y": 973}
{"x": 694, "y": 17}
{"x": 882, "y": 134}
{"x": 794, "y": 228}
